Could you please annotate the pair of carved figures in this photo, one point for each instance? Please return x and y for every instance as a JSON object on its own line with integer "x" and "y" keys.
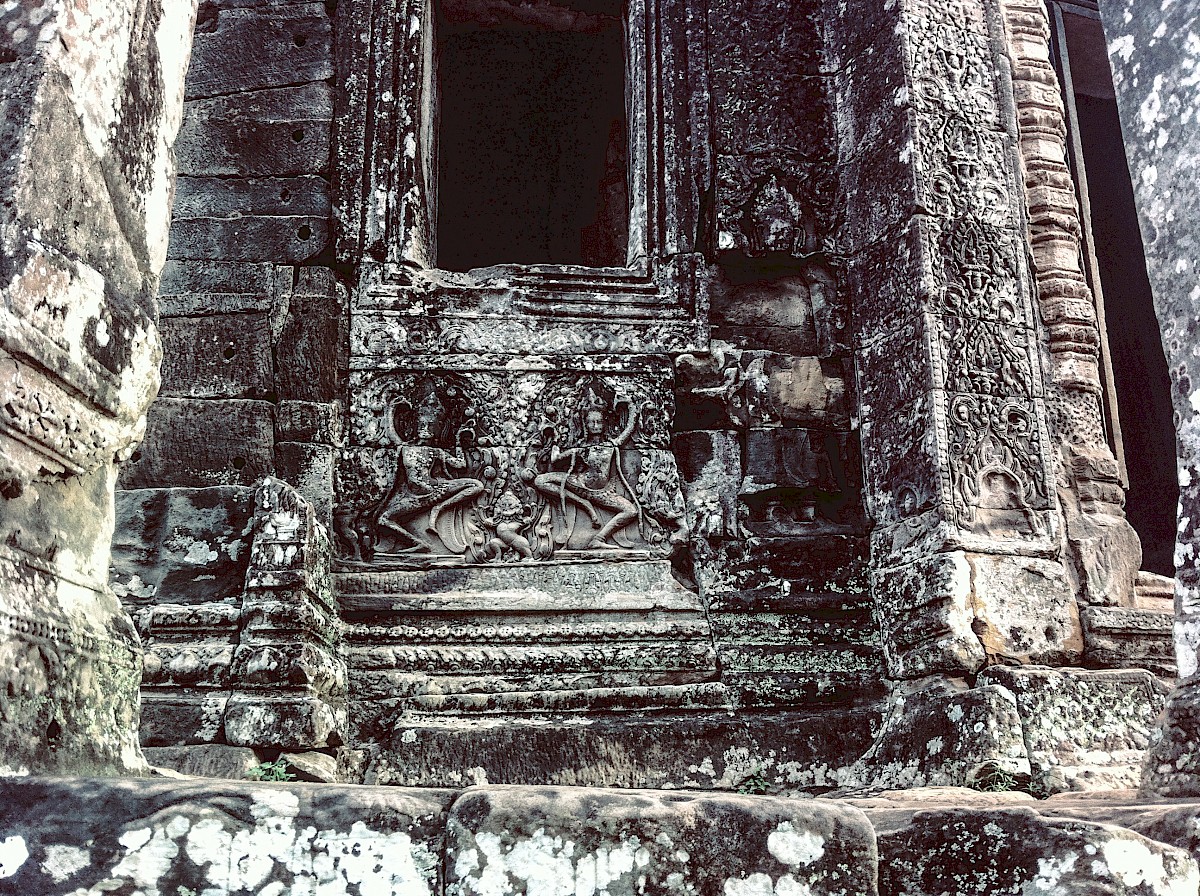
{"x": 457, "y": 496}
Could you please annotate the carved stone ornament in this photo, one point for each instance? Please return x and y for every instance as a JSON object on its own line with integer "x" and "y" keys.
{"x": 577, "y": 467}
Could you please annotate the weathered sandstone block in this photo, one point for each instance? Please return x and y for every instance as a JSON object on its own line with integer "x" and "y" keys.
{"x": 528, "y": 840}
{"x": 90, "y": 101}
{"x": 976, "y": 851}
{"x": 67, "y": 835}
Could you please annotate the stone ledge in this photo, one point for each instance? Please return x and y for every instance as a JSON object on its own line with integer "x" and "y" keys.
{"x": 71, "y": 835}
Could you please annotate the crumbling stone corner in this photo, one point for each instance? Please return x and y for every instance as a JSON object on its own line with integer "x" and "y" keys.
{"x": 90, "y": 101}
{"x": 288, "y": 667}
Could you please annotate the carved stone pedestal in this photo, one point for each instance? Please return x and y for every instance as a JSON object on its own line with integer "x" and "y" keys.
{"x": 504, "y": 523}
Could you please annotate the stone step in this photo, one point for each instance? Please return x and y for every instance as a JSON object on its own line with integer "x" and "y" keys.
{"x": 696, "y": 749}
{"x": 788, "y": 689}
{"x": 548, "y": 586}
{"x": 794, "y": 629}
{"x": 476, "y": 602}
{"x": 1154, "y": 592}
{"x": 1129, "y": 638}
{"x": 526, "y": 638}
{"x": 706, "y": 695}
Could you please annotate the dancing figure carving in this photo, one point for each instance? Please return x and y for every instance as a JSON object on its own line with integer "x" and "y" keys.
{"x": 594, "y": 478}
{"x": 426, "y": 485}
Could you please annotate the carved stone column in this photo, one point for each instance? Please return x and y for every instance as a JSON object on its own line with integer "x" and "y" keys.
{"x": 90, "y": 98}
{"x": 1103, "y": 546}
{"x": 958, "y": 461}
{"x": 1153, "y": 55}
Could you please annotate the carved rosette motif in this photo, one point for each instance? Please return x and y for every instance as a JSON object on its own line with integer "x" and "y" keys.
{"x": 497, "y": 466}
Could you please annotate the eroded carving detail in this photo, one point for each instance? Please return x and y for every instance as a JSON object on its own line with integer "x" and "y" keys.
{"x": 512, "y": 469}
{"x": 996, "y": 465}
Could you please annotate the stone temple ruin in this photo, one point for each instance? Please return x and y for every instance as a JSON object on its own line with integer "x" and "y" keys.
{"x": 681, "y": 409}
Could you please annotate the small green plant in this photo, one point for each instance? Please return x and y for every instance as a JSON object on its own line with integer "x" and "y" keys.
{"x": 270, "y": 771}
{"x": 754, "y": 782}
{"x": 1039, "y": 788}
{"x": 994, "y": 778}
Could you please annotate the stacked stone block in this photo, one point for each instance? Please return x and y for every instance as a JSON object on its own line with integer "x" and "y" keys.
{"x": 288, "y": 672}
{"x": 251, "y": 320}
{"x": 766, "y": 432}
{"x": 230, "y": 589}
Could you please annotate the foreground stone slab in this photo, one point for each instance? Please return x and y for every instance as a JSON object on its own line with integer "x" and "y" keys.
{"x": 977, "y": 851}
{"x": 565, "y": 840}
{"x": 76, "y": 835}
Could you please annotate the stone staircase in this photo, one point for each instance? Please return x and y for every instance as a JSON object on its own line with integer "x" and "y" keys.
{"x": 524, "y": 640}
{"x": 1137, "y": 637}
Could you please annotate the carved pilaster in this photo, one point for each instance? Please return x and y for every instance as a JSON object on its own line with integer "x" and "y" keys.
{"x": 959, "y": 463}
{"x": 1105, "y": 549}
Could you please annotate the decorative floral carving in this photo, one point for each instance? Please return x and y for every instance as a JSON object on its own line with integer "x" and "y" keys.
{"x": 997, "y": 467}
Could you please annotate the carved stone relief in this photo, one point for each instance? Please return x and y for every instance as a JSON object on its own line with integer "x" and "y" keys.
{"x": 496, "y": 467}
{"x": 997, "y": 475}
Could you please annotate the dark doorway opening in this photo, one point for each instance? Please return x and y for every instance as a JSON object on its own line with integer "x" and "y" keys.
{"x": 1144, "y": 429}
{"x": 532, "y": 144}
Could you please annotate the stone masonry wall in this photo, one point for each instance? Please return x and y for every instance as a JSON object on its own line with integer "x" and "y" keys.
{"x": 1154, "y": 52}
{"x": 251, "y": 312}
{"x": 254, "y": 346}
{"x": 887, "y": 472}
{"x": 766, "y": 427}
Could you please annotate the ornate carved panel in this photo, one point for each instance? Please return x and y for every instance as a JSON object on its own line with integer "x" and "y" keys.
{"x": 509, "y": 465}
{"x": 459, "y": 453}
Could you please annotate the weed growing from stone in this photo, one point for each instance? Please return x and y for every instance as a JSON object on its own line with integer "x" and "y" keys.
{"x": 754, "y": 782}
{"x": 270, "y": 771}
